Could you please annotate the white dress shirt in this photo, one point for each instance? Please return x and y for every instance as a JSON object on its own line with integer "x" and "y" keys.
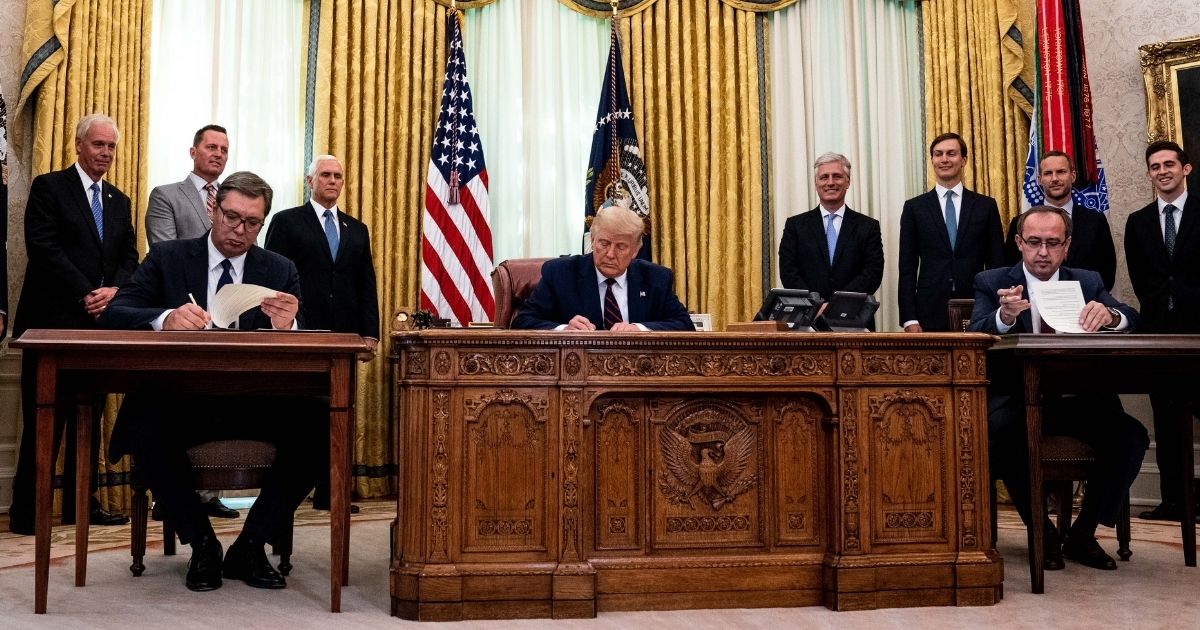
{"x": 958, "y": 192}
{"x": 620, "y": 292}
{"x": 199, "y": 183}
{"x": 1031, "y": 282}
{"x": 337, "y": 225}
{"x": 840, "y": 213}
{"x": 1178, "y": 214}
{"x": 86, "y": 181}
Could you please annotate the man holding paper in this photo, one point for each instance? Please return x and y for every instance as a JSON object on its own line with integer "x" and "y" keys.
{"x": 1002, "y": 306}
{"x": 170, "y": 291}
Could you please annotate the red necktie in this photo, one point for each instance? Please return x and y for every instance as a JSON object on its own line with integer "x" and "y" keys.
{"x": 612, "y": 312}
{"x": 211, "y": 201}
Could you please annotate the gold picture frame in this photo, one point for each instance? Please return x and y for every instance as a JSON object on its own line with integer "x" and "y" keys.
{"x": 1165, "y": 65}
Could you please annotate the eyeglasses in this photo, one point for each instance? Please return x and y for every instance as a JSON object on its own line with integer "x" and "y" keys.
{"x": 232, "y": 220}
{"x": 1037, "y": 243}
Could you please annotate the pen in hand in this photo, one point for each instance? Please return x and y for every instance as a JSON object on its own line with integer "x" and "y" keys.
{"x": 193, "y": 299}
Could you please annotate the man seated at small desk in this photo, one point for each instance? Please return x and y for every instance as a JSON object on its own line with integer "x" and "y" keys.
{"x": 606, "y": 289}
{"x": 170, "y": 291}
{"x": 1002, "y": 306}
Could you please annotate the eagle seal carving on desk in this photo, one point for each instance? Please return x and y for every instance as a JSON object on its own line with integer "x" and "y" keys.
{"x": 707, "y": 456}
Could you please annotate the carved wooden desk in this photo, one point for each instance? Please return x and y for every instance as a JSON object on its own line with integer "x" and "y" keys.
{"x": 1079, "y": 364}
{"x": 79, "y": 362}
{"x": 558, "y": 474}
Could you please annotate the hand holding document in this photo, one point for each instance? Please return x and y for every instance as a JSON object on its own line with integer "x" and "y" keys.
{"x": 1059, "y": 304}
{"x": 234, "y": 299}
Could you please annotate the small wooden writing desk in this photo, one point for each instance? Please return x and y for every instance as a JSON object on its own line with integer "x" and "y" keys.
{"x": 74, "y": 365}
{"x": 1081, "y": 364}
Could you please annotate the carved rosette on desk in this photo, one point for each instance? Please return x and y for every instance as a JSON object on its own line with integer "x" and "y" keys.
{"x": 548, "y": 474}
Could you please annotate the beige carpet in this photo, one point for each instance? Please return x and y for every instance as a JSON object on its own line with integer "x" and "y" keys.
{"x": 1154, "y": 590}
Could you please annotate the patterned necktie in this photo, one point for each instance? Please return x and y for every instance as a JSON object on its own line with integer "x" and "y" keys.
{"x": 951, "y": 219}
{"x": 830, "y": 236}
{"x": 211, "y": 200}
{"x": 97, "y": 211}
{"x": 331, "y": 235}
{"x": 612, "y": 311}
{"x": 1169, "y": 237}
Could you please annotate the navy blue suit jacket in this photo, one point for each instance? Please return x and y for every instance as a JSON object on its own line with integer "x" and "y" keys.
{"x": 931, "y": 273}
{"x": 1160, "y": 279}
{"x": 174, "y": 269}
{"x": 569, "y": 287}
{"x": 987, "y": 302}
{"x": 1092, "y": 245}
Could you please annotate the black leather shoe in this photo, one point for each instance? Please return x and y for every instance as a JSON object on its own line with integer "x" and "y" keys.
{"x": 247, "y": 561}
{"x": 1086, "y": 551}
{"x": 204, "y": 569}
{"x": 1052, "y": 554}
{"x": 214, "y": 507}
{"x": 157, "y": 511}
{"x": 323, "y": 505}
{"x": 98, "y": 516}
{"x": 20, "y": 524}
{"x": 1166, "y": 512}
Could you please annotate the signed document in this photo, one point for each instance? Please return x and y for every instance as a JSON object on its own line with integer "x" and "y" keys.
{"x": 234, "y": 299}
{"x": 1059, "y": 303}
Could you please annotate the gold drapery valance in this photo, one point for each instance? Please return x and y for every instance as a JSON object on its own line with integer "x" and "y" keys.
{"x": 603, "y": 9}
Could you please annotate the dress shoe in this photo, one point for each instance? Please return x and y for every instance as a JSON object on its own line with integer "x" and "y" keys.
{"x": 247, "y": 561}
{"x": 20, "y": 524}
{"x": 204, "y": 569}
{"x": 323, "y": 505}
{"x": 214, "y": 507}
{"x": 1052, "y": 553}
{"x": 157, "y": 511}
{"x": 1166, "y": 512}
{"x": 98, "y": 516}
{"x": 1086, "y": 551}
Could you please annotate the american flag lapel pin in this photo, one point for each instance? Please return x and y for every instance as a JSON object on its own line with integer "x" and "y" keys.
{"x": 641, "y": 294}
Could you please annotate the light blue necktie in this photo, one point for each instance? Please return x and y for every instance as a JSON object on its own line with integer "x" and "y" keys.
{"x": 951, "y": 220}
{"x": 830, "y": 237}
{"x": 97, "y": 211}
{"x": 331, "y": 235}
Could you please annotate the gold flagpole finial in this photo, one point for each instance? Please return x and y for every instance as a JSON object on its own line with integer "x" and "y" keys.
{"x": 454, "y": 5}
{"x": 614, "y": 4}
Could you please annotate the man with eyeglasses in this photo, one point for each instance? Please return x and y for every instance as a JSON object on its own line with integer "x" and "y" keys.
{"x": 170, "y": 291}
{"x": 1002, "y": 306}
{"x": 607, "y": 289}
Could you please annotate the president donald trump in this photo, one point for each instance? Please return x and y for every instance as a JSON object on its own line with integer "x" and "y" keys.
{"x": 606, "y": 289}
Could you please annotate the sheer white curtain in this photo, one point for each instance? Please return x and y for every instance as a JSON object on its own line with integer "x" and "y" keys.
{"x": 535, "y": 69}
{"x": 846, "y": 77}
{"x": 236, "y": 64}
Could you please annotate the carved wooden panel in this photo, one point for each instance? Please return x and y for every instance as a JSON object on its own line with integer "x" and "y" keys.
{"x": 706, "y": 455}
{"x": 505, "y": 448}
{"x": 710, "y": 365}
{"x": 475, "y": 363}
{"x": 798, "y": 467}
{"x": 909, "y": 445}
{"x": 909, "y": 364}
{"x": 618, "y": 426}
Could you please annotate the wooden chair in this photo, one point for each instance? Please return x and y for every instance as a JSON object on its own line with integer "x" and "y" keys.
{"x": 1065, "y": 460}
{"x": 513, "y": 281}
{"x": 218, "y": 465}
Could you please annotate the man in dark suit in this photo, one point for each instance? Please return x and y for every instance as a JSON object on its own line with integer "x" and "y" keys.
{"x": 1162, "y": 247}
{"x": 947, "y": 235}
{"x": 831, "y": 247}
{"x": 80, "y": 241}
{"x": 158, "y": 427}
{"x": 1002, "y": 306}
{"x": 1091, "y": 239}
{"x": 332, "y": 251}
{"x": 607, "y": 289}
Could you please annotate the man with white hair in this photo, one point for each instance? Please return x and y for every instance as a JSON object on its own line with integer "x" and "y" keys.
{"x": 80, "y": 241}
{"x": 607, "y": 289}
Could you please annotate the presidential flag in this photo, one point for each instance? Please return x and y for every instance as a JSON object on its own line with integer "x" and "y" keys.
{"x": 4, "y": 204}
{"x": 456, "y": 239}
{"x": 1062, "y": 118}
{"x": 616, "y": 172}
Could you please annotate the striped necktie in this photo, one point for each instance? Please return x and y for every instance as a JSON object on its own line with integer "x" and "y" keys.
{"x": 612, "y": 311}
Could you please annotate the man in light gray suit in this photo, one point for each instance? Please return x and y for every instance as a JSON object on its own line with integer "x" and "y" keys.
{"x": 181, "y": 210}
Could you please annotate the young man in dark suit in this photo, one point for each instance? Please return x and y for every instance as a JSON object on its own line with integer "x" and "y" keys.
{"x": 831, "y": 247}
{"x": 80, "y": 241}
{"x": 1002, "y": 306}
{"x": 947, "y": 235}
{"x": 160, "y": 297}
{"x": 1091, "y": 239}
{"x": 606, "y": 289}
{"x": 332, "y": 251}
{"x": 1162, "y": 247}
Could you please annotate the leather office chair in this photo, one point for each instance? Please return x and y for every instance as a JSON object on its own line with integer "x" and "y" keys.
{"x": 513, "y": 281}
{"x": 217, "y": 465}
{"x": 1065, "y": 460}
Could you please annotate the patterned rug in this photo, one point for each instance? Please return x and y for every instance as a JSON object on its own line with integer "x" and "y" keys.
{"x": 18, "y": 550}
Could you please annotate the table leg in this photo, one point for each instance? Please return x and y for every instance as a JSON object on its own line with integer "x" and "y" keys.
{"x": 1189, "y": 487}
{"x": 1037, "y": 511}
{"x": 340, "y": 391}
{"x": 45, "y": 496}
{"x": 347, "y": 467}
{"x": 83, "y": 467}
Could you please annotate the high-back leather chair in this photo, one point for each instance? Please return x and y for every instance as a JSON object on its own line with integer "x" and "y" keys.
{"x": 513, "y": 281}
{"x": 216, "y": 465}
{"x": 1065, "y": 460}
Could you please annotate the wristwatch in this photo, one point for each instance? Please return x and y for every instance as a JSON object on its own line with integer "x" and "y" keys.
{"x": 1116, "y": 315}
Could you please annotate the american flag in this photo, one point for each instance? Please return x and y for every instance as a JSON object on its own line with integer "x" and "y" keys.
{"x": 456, "y": 240}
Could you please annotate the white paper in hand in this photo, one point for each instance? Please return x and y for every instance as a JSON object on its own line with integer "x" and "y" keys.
{"x": 1059, "y": 303}
{"x": 234, "y": 299}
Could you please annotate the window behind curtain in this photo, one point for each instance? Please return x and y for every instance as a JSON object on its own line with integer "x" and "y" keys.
{"x": 236, "y": 64}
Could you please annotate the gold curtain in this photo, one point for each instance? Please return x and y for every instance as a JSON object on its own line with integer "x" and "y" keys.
{"x": 971, "y": 63}
{"x": 85, "y": 56}
{"x": 698, "y": 85}
{"x": 377, "y": 78}
{"x": 602, "y": 8}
